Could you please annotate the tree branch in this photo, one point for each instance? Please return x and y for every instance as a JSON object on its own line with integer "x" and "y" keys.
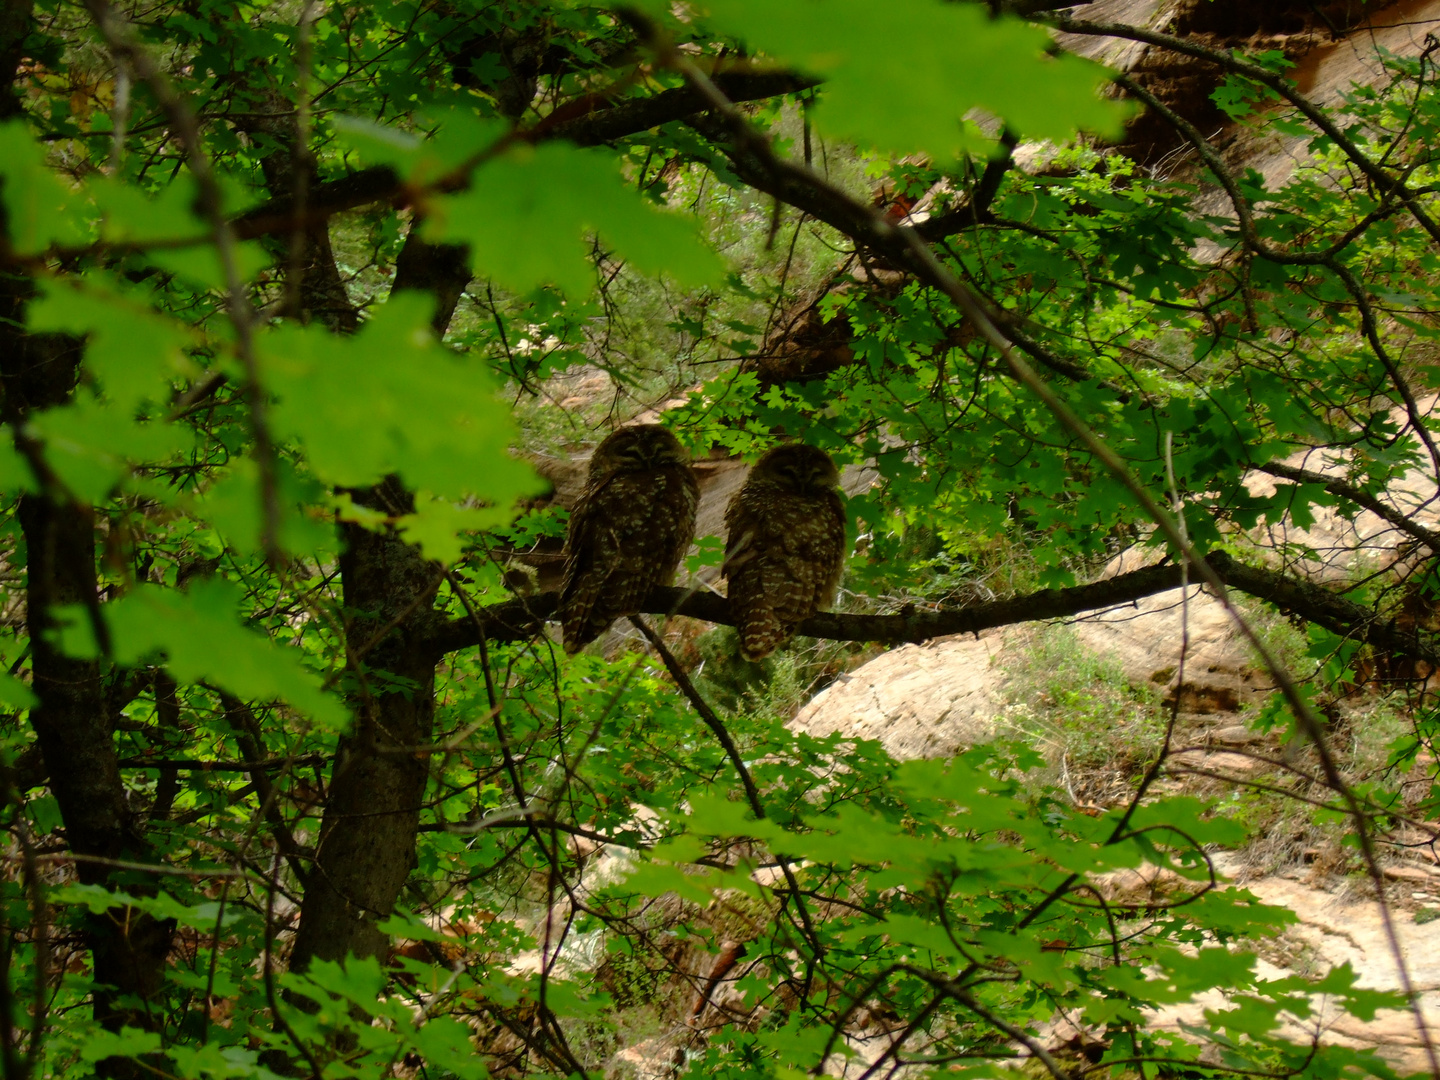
{"x": 381, "y": 184}
{"x": 522, "y": 619}
{"x": 975, "y": 211}
{"x": 1362, "y": 499}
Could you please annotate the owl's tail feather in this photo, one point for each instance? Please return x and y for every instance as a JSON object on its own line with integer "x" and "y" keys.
{"x": 761, "y": 633}
{"x": 579, "y": 627}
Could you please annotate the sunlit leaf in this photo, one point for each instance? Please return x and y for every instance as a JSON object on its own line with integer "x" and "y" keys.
{"x": 957, "y": 57}
{"x": 202, "y": 640}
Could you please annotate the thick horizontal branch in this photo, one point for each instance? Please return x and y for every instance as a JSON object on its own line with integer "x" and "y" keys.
{"x": 634, "y": 115}
{"x": 1360, "y": 498}
{"x": 521, "y": 619}
{"x": 631, "y": 116}
{"x": 1316, "y": 604}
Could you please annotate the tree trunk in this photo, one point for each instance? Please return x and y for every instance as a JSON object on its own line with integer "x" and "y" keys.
{"x": 372, "y": 815}
{"x": 72, "y": 721}
{"x": 367, "y": 838}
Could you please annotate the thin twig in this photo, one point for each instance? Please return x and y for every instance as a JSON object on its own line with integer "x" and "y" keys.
{"x": 752, "y": 793}
{"x": 268, "y": 973}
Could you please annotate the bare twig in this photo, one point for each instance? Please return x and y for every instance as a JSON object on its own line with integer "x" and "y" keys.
{"x": 752, "y": 793}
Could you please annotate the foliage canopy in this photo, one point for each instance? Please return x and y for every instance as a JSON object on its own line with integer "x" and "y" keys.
{"x": 296, "y": 782}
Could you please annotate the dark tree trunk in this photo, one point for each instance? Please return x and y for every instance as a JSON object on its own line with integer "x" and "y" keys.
{"x": 372, "y": 815}
{"x": 367, "y": 839}
{"x": 16, "y": 20}
{"x": 72, "y": 721}
{"x": 72, "y": 725}
{"x": 366, "y": 847}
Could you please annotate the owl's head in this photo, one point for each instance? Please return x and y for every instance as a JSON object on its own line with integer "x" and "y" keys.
{"x": 637, "y": 449}
{"x": 797, "y": 468}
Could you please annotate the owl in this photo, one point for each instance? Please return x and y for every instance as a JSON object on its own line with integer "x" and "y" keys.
{"x": 786, "y": 546}
{"x": 633, "y": 521}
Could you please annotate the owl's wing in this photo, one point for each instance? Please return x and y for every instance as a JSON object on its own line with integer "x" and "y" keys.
{"x": 741, "y": 534}
{"x": 740, "y": 548}
{"x": 829, "y": 551}
{"x": 578, "y": 553}
{"x": 590, "y": 549}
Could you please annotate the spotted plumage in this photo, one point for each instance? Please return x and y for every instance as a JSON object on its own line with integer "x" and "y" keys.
{"x": 786, "y": 546}
{"x": 627, "y": 532}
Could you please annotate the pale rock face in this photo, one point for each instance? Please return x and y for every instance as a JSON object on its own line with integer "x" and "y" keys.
{"x": 1337, "y": 929}
{"x": 920, "y": 701}
{"x": 1150, "y": 638}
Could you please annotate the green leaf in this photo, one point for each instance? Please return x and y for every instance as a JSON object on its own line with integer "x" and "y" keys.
{"x": 528, "y": 215}
{"x": 91, "y": 444}
{"x": 131, "y": 349}
{"x": 16, "y": 475}
{"x": 358, "y": 979}
{"x": 216, "y": 1061}
{"x": 40, "y": 209}
{"x": 127, "y": 1042}
{"x": 162, "y": 905}
{"x": 15, "y": 693}
{"x": 233, "y": 505}
{"x": 689, "y": 883}
{"x": 710, "y": 551}
{"x": 419, "y": 161}
{"x": 203, "y": 641}
{"x": 436, "y": 526}
{"x": 445, "y": 1043}
{"x": 201, "y": 267}
{"x": 956, "y": 58}
{"x": 389, "y": 401}
{"x": 127, "y": 214}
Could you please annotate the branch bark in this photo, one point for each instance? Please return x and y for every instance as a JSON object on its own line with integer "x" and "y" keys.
{"x": 381, "y": 184}
{"x": 73, "y": 719}
{"x": 519, "y": 620}
{"x": 1362, "y": 499}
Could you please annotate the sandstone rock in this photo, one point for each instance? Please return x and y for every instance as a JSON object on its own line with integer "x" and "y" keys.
{"x": 1337, "y": 929}
{"x": 1155, "y": 638}
{"x": 930, "y": 700}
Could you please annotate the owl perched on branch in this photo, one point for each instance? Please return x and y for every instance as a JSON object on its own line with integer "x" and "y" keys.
{"x": 786, "y": 546}
{"x": 633, "y": 521}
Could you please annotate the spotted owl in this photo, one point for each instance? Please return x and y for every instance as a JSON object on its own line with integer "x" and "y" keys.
{"x": 786, "y": 546}
{"x": 633, "y": 521}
